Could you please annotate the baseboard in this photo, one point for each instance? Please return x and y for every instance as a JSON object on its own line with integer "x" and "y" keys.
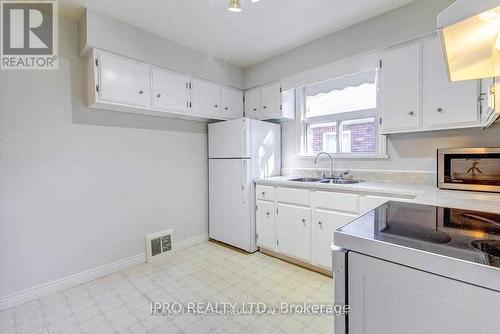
{"x": 297, "y": 262}
{"x": 49, "y": 288}
{"x": 199, "y": 239}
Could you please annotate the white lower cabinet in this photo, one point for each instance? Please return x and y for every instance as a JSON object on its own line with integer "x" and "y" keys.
{"x": 294, "y": 230}
{"x": 264, "y": 219}
{"x": 324, "y": 223}
{"x": 300, "y": 222}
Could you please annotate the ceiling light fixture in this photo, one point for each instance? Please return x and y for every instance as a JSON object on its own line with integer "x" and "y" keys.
{"x": 234, "y": 6}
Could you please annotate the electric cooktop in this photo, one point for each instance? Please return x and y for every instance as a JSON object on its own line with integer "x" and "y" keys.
{"x": 463, "y": 234}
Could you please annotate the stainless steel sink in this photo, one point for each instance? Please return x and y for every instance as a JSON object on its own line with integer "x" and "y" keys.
{"x": 332, "y": 181}
{"x": 305, "y": 179}
{"x": 342, "y": 181}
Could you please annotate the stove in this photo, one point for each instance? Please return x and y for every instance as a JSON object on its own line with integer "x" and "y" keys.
{"x": 436, "y": 267}
{"x": 467, "y": 235}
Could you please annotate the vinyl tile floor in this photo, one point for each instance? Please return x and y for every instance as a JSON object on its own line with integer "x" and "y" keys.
{"x": 209, "y": 274}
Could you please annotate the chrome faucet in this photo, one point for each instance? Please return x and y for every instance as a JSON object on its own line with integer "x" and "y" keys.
{"x": 332, "y": 172}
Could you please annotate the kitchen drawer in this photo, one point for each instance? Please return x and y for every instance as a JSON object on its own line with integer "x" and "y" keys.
{"x": 293, "y": 196}
{"x": 265, "y": 193}
{"x": 336, "y": 201}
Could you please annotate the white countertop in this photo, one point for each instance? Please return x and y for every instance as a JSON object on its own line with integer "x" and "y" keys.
{"x": 422, "y": 193}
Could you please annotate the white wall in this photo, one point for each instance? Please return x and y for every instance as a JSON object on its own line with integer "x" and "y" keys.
{"x": 80, "y": 188}
{"x": 353, "y": 49}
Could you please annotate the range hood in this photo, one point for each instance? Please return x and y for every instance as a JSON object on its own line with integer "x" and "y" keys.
{"x": 469, "y": 32}
{"x": 470, "y": 35}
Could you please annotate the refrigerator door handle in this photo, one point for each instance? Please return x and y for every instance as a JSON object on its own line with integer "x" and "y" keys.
{"x": 243, "y": 173}
{"x": 243, "y": 140}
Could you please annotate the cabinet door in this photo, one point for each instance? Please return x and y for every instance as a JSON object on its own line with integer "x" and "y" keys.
{"x": 270, "y": 101}
{"x": 205, "y": 98}
{"x": 288, "y": 104}
{"x": 323, "y": 225}
{"x": 170, "y": 90}
{"x": 232, "y": 103}
{"x": 252, "y": 103}
{"x": 401, "y": 88}
{"x": 392, "y": 299}
{"x": 294, "y": 230}
{"x": 124, "y": 81}
{"x": 264, "y": 219}
{"x": 446, "y": 104}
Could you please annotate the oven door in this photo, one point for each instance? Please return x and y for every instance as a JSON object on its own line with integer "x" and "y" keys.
{"x": 475, "y": 169}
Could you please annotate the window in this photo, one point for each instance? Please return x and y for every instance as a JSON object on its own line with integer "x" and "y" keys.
{"x": 340, "y": 116}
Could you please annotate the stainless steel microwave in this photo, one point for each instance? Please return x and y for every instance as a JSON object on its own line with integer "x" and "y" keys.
{"x": 476, "y": 169}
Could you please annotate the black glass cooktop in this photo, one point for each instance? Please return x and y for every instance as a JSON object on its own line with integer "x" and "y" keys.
{"x": 464, "y": 234}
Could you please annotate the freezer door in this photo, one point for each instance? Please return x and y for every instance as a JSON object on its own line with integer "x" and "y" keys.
{"x": 265, "y": 149}
{"x": 230, "y": 202}
{"x": 229, "y": 139}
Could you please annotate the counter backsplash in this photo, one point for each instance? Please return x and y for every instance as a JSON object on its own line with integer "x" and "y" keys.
{"x": 413, "y": 177}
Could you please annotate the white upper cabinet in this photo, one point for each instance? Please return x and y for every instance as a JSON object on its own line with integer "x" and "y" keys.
{"x": 400, "y": 88}
{"x": 232, "y": 103}
{"x": 446, "y": 104}
{"x": 123, "y": 81}
{"x": 170, "y": 90}
{"x": 205, "y": 98}
{"x": 270, "y": 101}
{"x": 416, "y": 95}
{"x": 122, "y": 84}
{"x": 252, "y": 103}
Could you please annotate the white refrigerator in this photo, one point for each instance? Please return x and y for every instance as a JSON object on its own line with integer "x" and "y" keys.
{"x": 239, "y": 151}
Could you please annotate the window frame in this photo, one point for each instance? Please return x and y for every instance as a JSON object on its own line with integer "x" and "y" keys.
{"x": 302, "y": 124}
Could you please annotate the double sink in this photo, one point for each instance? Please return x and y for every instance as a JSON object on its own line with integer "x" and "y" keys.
{"x": 327, "y": 180}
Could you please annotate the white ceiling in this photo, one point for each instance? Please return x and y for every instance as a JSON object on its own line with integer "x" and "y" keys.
{"x": 263, "y": 29}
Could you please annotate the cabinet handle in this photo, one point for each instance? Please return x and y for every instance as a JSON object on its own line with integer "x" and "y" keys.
{"x": 320, "y": 224}
{"x": 158, "y": 95}
{"x": 254, "y": 109}
{"x": 439, "y": 109}
{"x": 411, "y": 113}
{"x": 267, "y": 213}
{"x": 263, "y": 194}
{"x": 141, "y": 92}
{"x": 225, "y": 108}
{"x": 264, "y": 107}
{"x": 303, "y": 220}
{"x": 216, "y": 106}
